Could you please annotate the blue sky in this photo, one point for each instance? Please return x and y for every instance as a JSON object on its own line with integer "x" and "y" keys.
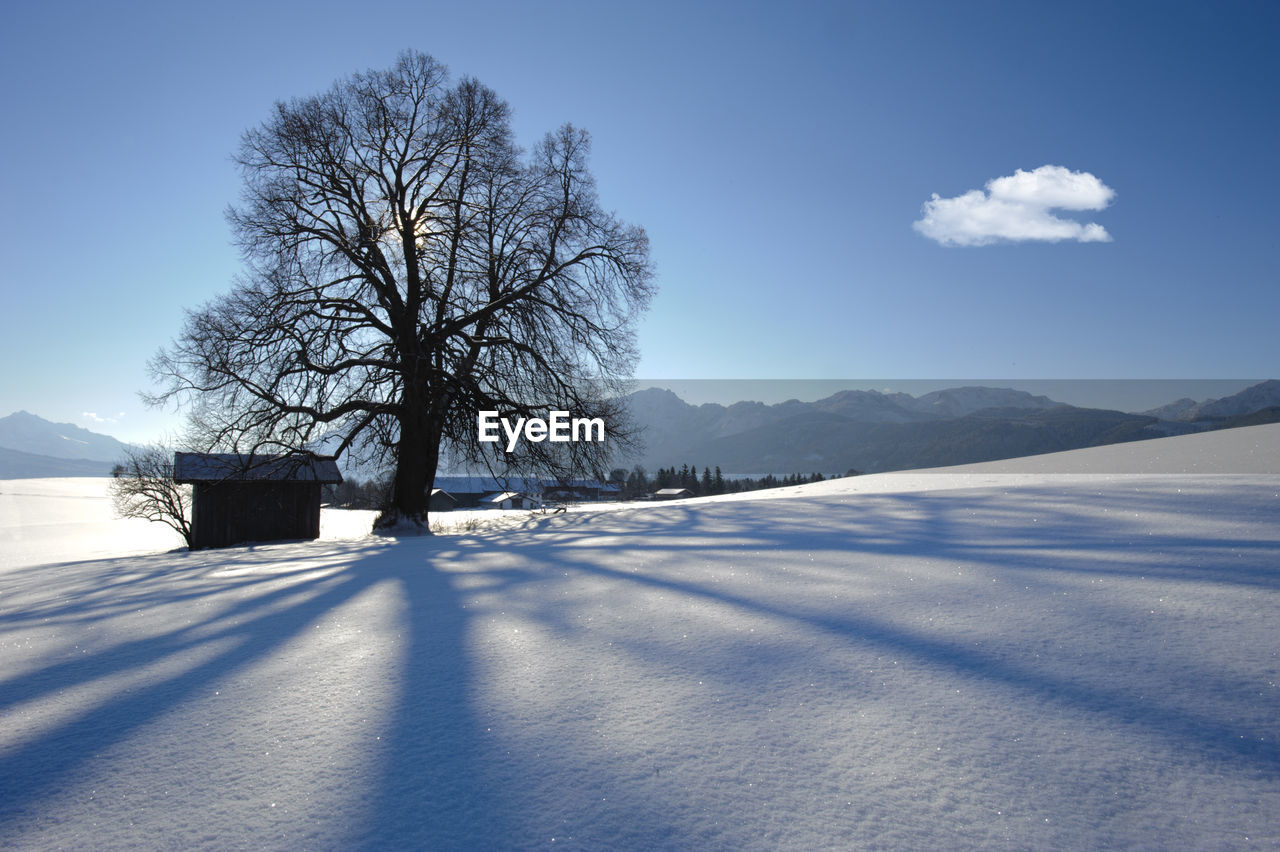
{"x": 779, "y": 155}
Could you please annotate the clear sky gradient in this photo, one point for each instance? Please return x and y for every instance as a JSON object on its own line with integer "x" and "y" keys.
{"x": 779, "y": 155}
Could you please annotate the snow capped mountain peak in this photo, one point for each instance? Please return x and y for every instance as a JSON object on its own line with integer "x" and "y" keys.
{"x": 1252, "y": 399}
{"x": 957, "y": 402}
{"x": 33, "y": 446}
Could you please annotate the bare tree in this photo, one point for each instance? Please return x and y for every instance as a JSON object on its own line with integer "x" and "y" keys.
{"x": 407, "y": 267}
{"x": 142, "y": 486}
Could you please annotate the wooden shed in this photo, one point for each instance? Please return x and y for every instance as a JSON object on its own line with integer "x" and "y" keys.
{"x": 241, "y": 498}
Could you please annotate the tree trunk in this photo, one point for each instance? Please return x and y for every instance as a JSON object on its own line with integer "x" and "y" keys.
{"x": 416, "y": 458}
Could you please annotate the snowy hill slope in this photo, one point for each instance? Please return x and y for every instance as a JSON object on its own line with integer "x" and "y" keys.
{"x": 968, "y": 659}
{"x": 1249, "y": 449}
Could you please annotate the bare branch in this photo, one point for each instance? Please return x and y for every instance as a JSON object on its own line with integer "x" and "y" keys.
{"x": 405, "y": 268}
{"x": 142, "y": 486}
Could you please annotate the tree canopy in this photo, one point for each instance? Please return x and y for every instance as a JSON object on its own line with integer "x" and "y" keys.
{"x": 407, "y": 265}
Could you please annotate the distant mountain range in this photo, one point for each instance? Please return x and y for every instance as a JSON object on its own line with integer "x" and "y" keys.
{"x": 865, "y": 431}
{"x": 873, "y": 432}
{"x": 1248, "y": 401}
{"x": 31, "y": 446}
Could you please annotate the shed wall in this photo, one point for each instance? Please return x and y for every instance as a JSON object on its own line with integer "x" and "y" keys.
{"x": 226, "y": 513}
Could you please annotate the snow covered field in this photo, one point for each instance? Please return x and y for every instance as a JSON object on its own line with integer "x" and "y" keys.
{"x": 1071, "y": 659}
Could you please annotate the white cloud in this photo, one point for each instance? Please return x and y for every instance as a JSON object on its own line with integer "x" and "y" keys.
{"x": 93, "y": 417}
{"x": 1016, "y": 209}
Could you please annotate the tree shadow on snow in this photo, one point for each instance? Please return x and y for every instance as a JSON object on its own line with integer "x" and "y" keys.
{"x": 439, "y": 778}
{"x": 420, "y": 781}
{"x": 1045, "y": 541}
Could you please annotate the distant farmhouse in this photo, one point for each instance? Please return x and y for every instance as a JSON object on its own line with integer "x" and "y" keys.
{"x": 672, "y": 494}
{"x": 242, "y": 498}
{"x": 579, "y": 490}
{"x": 441, "y": 500}
{"x": 472, "y": 492}
{"x": 509, "y": 500}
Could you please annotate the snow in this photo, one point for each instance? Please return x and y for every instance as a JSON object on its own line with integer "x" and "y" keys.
{"x": 1080, "y": 658}
{"x": 70, "y": 519}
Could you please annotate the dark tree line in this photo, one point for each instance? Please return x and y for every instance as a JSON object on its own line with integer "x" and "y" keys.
{"x": 634, "y": 484}
{"x": 354, "y": 493}
{"x": 637, "y": 484}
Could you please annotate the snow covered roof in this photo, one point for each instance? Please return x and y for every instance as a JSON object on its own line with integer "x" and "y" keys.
{"x": 463, "y": 484}
{"x": 238, "y": 467}
{"x": 505, "y": 495}
{"x": 573, "y": 483}
{"x": 673, "y": 492}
